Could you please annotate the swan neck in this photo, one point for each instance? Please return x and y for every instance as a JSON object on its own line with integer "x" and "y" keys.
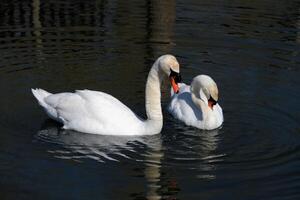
{"x": 200, "y": 104}
{"x": 153, "y": 94}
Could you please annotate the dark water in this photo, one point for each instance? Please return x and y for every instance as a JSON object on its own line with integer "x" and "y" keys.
{"x": 250, "y": 48}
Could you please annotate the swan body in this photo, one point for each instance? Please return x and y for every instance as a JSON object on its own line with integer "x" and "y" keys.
{"x": 100, "y": 113}
{"x": 196, "y": 105}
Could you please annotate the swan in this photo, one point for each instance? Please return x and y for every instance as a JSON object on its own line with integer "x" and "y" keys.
{"x": 196, "y": 105}
{"x": 96, "y": 112}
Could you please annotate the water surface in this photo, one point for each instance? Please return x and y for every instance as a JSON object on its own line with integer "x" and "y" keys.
{"x": 250, "y": 48}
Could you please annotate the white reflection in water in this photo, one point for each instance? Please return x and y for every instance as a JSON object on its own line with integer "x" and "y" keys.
{"x": 102, "y": 148}
{"x": 200, "y": 151}
{"x": 208, "y": 145}
{"x": 98, "y": 147}
{"x": 193, "y": 150}
{"x": 152, "y": 172}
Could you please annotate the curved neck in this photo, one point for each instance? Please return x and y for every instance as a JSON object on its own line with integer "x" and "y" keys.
{"x": 153, "y": 94}
{"x": 201, "y": 105}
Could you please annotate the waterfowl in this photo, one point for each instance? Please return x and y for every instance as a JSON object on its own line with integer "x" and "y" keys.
{"x": 196, "y": 105}
{"x": 96, "y": 112}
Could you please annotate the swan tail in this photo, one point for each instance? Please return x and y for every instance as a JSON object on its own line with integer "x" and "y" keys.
{"x": 40, "y": 95}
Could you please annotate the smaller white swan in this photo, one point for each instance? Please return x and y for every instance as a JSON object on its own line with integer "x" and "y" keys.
{"x": 100, "y": 113}
{"x": 196, "y": 105}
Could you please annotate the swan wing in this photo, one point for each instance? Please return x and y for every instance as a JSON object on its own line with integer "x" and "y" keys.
{"x": 183, "y": 108}
{"x": 93, "y": 112}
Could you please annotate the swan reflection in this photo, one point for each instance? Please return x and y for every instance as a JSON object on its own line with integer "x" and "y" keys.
{"x": 98, "y": 147}
{"x": 198, "y": 150}
{"x": 103, "y": 148}
{"x": 192, "y": 150}
{"x": 207, "y": 150}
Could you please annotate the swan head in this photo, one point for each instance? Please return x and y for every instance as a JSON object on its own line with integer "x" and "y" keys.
{"x": 205, "y": 88}
{"x": 169, "y": 65}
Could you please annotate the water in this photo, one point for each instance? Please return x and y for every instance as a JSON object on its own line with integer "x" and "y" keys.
{"x": 250, "y": 48}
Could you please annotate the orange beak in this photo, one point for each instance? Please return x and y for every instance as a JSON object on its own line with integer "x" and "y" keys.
{"x": 210, "y": 104}
{"x": 174, "y": 85}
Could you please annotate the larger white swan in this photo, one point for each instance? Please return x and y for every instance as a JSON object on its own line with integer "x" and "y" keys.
{"x": 100, "y": 113}
{"x": 196, "y": 105}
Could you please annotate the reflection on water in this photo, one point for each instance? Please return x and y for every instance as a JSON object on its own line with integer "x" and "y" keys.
{"x": 208, "y": 144}
{"x": 37, "y": 23}
{"x": 63, "y": 31}
{"x": 251, "y": 49}
{"x": 197, "y": 151}
{"x": 79, "y": 146}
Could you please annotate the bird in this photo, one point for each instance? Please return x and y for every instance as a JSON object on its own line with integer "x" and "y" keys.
{"x": 196, "y": 105}
{"x": 96, "y": 112}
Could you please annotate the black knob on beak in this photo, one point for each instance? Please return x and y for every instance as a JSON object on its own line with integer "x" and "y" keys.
{"x": 176, "y": 76}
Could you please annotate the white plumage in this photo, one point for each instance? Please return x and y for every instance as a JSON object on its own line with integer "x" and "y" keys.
{"x": 89, "y": 111}
{"x": 100, "y": 113}
{"x": 191, "y": 104}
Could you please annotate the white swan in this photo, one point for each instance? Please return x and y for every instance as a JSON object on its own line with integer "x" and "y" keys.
{"x": 196, "y": 105}
{"x": 100, "y": 113}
